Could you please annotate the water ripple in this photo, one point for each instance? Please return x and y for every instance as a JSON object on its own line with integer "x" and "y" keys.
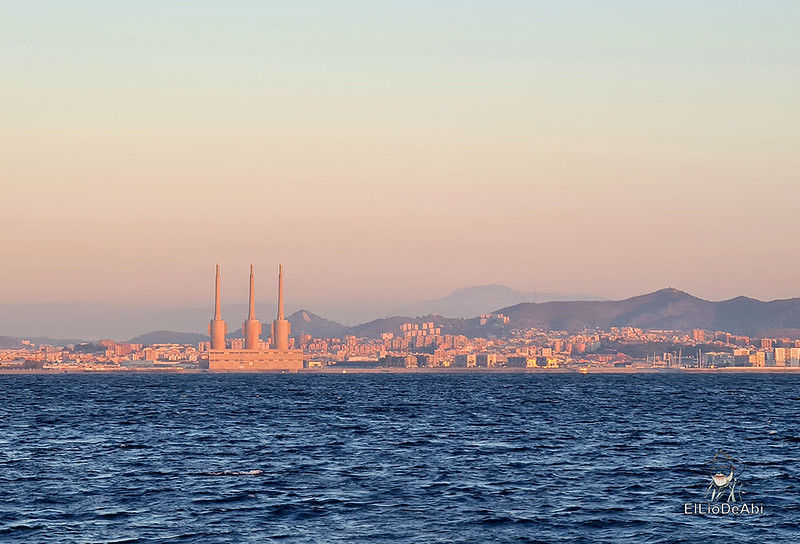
{"x": 391, "y": 458}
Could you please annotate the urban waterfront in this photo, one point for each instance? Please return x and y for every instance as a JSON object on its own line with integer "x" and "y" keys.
{"x": 393, "y": 457}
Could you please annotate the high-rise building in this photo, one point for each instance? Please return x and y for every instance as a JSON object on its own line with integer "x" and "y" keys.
{"x": 794, "y": 356}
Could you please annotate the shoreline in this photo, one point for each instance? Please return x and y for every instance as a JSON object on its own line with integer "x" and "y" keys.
{"x": 430, "y": 370}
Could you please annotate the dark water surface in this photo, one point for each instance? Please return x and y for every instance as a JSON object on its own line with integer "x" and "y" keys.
{"x": 392, "y": 458}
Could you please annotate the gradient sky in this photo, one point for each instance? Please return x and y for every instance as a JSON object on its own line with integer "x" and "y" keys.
{"x": 397, "y": 150}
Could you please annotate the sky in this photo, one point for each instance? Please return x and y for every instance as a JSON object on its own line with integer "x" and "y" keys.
{"x": 396, "y": 151}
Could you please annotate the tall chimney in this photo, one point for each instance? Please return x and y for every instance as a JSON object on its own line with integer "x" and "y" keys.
{"x": 280, "y": 291}
{"x": 217, "y": 328}
{"x": 280, "y": 327}
{"x": 252, "y": 327}
{"x": 252, "y": 313}
{"x": 217, "y": 306}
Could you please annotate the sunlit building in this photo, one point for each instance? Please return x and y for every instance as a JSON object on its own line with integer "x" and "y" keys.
{"x": 251, "y": 357}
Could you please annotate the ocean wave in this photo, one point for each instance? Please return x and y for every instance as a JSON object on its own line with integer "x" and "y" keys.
{"x": 255, "y": 472}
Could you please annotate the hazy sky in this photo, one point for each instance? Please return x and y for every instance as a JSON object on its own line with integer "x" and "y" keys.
{"x": 397, "y": 150}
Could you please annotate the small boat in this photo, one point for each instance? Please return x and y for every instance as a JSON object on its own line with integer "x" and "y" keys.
{"x": 584, "y": 370}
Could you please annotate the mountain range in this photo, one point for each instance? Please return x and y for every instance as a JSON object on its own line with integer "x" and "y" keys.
{"x": 664, "y": 309}
{"x": 473, "y": 301}
{"x": 117, "y": 320}
{"x": 669, "y": 309}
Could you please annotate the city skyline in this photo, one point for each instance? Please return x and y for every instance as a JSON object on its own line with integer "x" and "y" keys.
{"x": 389, "y": 153}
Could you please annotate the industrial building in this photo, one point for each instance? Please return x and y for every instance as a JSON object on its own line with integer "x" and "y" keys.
{"x": 279, "y": 358}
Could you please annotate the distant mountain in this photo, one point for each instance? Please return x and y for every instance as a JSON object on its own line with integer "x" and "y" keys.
{"x": 56, "y": 342}
{"x": 775, "y": 319}
{"x": 482, "y": 299}
{"x": 375, "y": 328}
{"x": 305, "y": 322}
{"x": 664, "y": 309}
{"x": 169, "y": 337}
{"x": 10, "y": 342}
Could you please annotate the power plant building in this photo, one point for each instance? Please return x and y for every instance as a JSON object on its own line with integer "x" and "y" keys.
{"x": 251, "y": 358}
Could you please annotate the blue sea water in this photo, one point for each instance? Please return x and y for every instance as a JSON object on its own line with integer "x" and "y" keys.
{"x": 418, "y": 458}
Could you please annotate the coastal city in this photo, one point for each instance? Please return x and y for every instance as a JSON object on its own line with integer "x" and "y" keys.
{"x": 500, "y": 341}
{"x": 423, "y": 346}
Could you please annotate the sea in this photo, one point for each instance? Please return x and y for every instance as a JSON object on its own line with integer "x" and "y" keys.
{"x": 397, "y": 458}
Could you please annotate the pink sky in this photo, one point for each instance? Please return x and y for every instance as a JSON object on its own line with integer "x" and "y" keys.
{"x": 399, "y": 154}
